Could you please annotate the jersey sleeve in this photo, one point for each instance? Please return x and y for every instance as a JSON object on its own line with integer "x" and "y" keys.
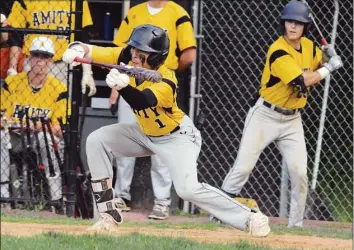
{"x": 317, "y": 58}
{"x": 124, "y": 32}
{"x": 60, "y": 107}
{"x": 109, "y": 55}
{"x": 164, "y": 92}
{"x": 6, "y": 100}
{"x": 17, "y": 17}
{"x": 185, "y": 32}
{"x": 284, "y": 66}
{"x": 86, "y": 17}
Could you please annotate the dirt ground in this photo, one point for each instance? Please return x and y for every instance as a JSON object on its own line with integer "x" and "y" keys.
{"x": 221, "y": 235}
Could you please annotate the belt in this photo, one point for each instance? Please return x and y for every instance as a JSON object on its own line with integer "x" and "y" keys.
{"x": 174, "y": 130}
{"x": 280, "y": 110}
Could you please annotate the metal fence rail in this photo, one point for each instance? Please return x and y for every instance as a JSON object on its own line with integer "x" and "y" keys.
{"x": 237, "y": 35}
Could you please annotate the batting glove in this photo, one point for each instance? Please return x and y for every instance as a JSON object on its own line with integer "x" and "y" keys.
{"x": 74, "y": 50}
{"x": 117, "y": 80}
{"x": 87, "y": 80}
{"x": 334, "y": 63}
{"x": 329, "y": 50}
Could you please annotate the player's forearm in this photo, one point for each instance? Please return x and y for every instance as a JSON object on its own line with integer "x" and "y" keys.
{"x": 137, "y": 99}
{"x": 14, "y": 57}
{"x": 311, "y": 78}
{"x": 57, "y": 130}
{"x": 186, "y": 59}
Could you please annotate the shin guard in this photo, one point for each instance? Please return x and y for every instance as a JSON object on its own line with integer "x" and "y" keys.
{"x": 104, "y": 197}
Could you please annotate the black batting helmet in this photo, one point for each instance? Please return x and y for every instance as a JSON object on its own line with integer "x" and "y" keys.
{"x": 297, "y": 11}
{"x": 152, "y": 39}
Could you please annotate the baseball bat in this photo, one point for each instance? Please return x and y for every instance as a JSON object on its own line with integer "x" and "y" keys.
{"x": 42, "y": 177}
{"x": 29, "y": 151}
{"x": 15, "y": 183}
{"x": 38, "y": 146}
{"x": 25, "y": 188}
{"x": 323, "y": 39}
{"x": 49, "y": 156}
{"x": 55, "y": 145}
{"x": 139, "y": 73}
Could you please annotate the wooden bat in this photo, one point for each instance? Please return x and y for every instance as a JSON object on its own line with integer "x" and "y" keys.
{"x": 25, "y": 188}
{"x": 49, "y": 156}
{"x": 139, "y": 73}
{"x": 30, "y": 153}
{"x": 55, "y": 145}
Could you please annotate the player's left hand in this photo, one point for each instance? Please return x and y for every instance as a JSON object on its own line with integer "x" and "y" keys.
{"x": 87, "y": 80}
{"x": 117, "y": 80}
{"x": 329, "y": 50}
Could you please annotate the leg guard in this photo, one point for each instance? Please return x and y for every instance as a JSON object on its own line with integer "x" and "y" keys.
{"x": 104, "y": 197}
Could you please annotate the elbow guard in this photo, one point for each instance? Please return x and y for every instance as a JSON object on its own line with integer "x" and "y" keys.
{"x": 299, "y": 84}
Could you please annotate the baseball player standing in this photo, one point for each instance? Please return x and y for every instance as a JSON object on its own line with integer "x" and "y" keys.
{"x": 173, "y": 18}
{"x": 293, "y": 64}
{"x": 162, "y": 129}
{"x": 49, "y": 15}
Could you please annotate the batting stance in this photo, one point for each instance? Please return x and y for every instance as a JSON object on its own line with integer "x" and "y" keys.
{"x": 36, "y": 94}
{"x": 162, "y": 129}
{"x": 293, "y": 64}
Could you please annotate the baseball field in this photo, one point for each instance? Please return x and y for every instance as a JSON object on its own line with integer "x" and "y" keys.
{"x": 42, "y": 230}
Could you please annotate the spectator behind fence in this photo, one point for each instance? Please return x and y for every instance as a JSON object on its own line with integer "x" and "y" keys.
{"x": 35, "y": 94}
{"x": 49, "y": 15}
{"x": 173, "y": 18}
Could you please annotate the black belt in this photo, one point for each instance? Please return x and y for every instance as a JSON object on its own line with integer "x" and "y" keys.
{"x": 280, "y": 110}
{"x": 174, "y": 130}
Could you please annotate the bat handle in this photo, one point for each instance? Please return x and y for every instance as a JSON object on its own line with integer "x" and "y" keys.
{"x": 83, "y": 60}
{"x": 323, "y": 41}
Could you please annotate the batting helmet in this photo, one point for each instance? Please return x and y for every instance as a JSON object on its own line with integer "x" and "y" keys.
{"x": 152, "y": 39}
{"x": 297, "y": 11}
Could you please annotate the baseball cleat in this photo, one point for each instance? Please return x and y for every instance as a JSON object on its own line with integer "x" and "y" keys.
{"x": 159, "y": 212}
{"x": 109, "y": 221}
{"x": 122, "y": 204}
{"x": 258, "y": 225}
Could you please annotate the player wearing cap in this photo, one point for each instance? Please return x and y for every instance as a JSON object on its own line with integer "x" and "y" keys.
{"x": 48, "y": 15}
{"x": 37, "y": 94}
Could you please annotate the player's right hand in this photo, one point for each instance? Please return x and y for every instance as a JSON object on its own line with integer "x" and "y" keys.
{"x": 117, "y": 80}
{"x": 72, "y": 52}
{"x": 334, "y": 63}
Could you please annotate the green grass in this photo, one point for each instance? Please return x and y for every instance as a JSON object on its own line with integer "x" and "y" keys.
{"x": 276, "y": 229}
{"x": 132, "y": 241}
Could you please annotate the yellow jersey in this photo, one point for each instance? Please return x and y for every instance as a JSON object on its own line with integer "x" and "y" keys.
{"x": 50, "y": 101}
{"x": 165, "y": 116}
{"x": 284, "y": 64}
{"x": 49, "y": 15}
{"x": 172, "y": 18}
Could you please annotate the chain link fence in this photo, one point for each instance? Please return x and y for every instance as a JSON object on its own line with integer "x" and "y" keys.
{"x": 34, "y": 97}
{"x": 236, "y": 37}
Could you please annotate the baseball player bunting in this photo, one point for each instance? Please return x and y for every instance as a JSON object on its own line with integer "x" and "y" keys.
{"x": 162, "y": 129}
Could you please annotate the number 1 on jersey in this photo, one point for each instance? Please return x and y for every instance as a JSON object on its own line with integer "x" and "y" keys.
{"x": 161, "y": 125}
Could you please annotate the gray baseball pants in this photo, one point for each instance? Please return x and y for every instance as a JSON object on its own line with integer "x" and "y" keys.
{"x": 160, "y": 177}
{"x": 179, "y": 151}
{"x": 263, "y": 125}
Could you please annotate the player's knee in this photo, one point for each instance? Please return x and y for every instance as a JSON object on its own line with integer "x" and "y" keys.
{"x": 187, "y": 192}
{"x": 94, "y": 138}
